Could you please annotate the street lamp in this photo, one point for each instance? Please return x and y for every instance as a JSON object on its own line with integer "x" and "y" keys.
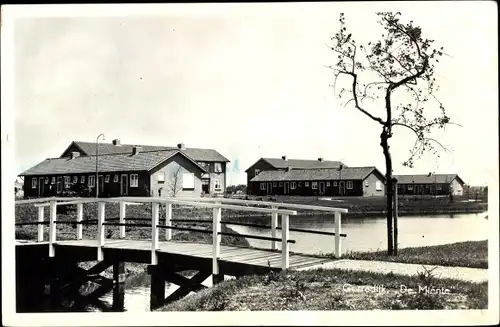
{"x": 96, "y": 164}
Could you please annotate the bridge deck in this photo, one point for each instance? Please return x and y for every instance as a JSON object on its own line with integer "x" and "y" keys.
{"x": 246, "y": 260}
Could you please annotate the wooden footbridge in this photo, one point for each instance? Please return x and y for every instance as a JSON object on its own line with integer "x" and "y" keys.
{"x": 54, "y": 263}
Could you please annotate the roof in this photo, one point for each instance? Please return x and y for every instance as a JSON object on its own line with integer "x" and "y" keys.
{"x": 427, "y": 178}
{"x": 143, "y": 161}
{"x": 280, "y": 163}
{"x": 354, "y": 173}
{"x": 108, "y": 148}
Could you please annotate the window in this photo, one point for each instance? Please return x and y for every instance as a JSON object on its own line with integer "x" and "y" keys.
{"x": 217, "y": 186}
{"x": 91, "y": 181}
{"x": 53, "y": 181}
{"x": 328, "y": 184}
{"x": 293, "y": 185}
{"x": 426, "y": 185}
{"x": 82, "y": 179}
{"x": 378, "y": 186}
{"x": 134, "y": 180}
{"x": 160, "y": 178}
{"x": 275, "y": 184}
{"x": 335, "y": 184}
{"x": 46, "y": 180}
{"x": 67, "y": 181}
{"x": 34, "y": 181}
{"x": 75, "y": 179}
{"x": 410, "y": 187}
{"x": 300, "y": 184}
{"x": 281, "y": 184}
{"x": 59, "y": 184}
{"x": 188, "y": 181}
{"x": 367, "y": 184}
{"x": 263, "y": 186}
{"x": 307, "y": 184}
{"x": 106, "y": 179}
{"x": 438, "y": 187}
{"x": 218, "y": 167}
{"x": 349, "y": 185}
{"x": 115, "y": 178}
{"x": 257, "y": 171}
{"x": 314, "y": 185}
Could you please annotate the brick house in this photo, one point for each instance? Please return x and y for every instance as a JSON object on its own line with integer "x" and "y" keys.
{"x": 430, "y": 184}
{"x": 128, "y": 170}
{"x": 348, "y": 181}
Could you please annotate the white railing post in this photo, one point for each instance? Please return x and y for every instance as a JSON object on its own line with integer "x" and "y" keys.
{"x": 216, "y": 239}
{"x": 155, "y": 220}
{"x": 285, "y": 248}
{"x": 168, "y": 221}
{"x": 79, "y": 219}
{"x": 100, "y": 229}
{"x": 122, "y": 219}
{"x": 52, "y": 227}
{"x": 274, "y": 225}
{"x": 40, "y": 225}
{"x": 337, "y": 234}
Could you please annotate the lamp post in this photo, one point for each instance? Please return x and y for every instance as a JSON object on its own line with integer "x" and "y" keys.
{"x": 96, "y": 164}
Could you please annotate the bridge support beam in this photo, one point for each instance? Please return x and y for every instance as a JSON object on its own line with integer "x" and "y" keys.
{"x": 119, "y": 278}
{"x": 216, "y": 279}
{"x": 157, "y": 293}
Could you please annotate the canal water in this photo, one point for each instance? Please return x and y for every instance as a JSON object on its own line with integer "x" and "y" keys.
{"x": 363, "y": 234}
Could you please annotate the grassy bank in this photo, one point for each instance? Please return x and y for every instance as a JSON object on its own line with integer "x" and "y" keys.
{"x": 472, "y": 254}
{"x": 335, "y": 290}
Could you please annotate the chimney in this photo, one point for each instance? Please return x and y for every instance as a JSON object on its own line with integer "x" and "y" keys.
{"x": 116, "y": 142}
{"x": 181, "y": 146}
{"x": 320, "y": 159}
{"x": 136, "y": 150}
{"x": 284, "y": 158}
{"x": 74, "y": 155}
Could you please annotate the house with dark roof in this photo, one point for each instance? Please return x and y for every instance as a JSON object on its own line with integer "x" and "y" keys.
{"x": 430, "y": 184}
{"x": 128, "y": 170}
{"x": 309, "y": 178}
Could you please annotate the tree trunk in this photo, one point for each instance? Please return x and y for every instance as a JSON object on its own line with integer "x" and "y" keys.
{"x": 388, "y": 175}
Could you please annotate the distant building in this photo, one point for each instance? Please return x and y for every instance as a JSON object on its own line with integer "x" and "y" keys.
{"x": 341, "y": 181}
{"x": 128, "y": 170}
{"x": 430, "y": 184}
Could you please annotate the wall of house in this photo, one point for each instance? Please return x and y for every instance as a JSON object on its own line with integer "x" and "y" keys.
{"x": 263, "y": 166}
{"x": 302, "y": 190}
{"x": 424, "y": 189}
{"x": 172, "y": 185}
{"x": 370, "y": 186}
{"x": 457, "y": 188}
{"x": 110, "y": 188}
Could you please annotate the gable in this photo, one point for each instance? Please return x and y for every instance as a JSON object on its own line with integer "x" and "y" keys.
{"x": 261, "y": 164}
{"x": 182, "y": 160}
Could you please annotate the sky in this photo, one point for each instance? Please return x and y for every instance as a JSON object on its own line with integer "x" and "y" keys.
{"x": 247, "y": 80}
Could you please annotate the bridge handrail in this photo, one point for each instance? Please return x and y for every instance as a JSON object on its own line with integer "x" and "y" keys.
{"x": 217, "y": 206}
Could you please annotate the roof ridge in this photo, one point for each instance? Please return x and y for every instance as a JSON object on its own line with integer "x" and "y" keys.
{"x": 110, "y": 154}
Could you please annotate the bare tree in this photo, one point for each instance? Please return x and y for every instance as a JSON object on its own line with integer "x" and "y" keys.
{"x": 401, "y": 60}
{"x": 174, "y": 184}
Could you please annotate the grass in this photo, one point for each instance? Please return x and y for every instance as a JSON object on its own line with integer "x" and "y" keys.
{"x": 335, "y": 289}
{"x": 472, "y": 254}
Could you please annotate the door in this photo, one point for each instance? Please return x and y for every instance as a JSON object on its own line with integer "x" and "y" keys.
{"x": 40, "y": 186}
{"x": 59, "y": 185}
{"x": 321, "y": 188}
{"x": 286, "y": 188}
{"x": 101, "y": 184}
{"x": 124, "y": 185}
{"x": 341, "y": 188}
{"x": 269, "y": 188}
{"x": 205, "y": 185}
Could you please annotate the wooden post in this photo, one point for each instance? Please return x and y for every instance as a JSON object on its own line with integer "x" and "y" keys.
{"x": 100, "y": 230}
{"x": 52, "y": 227}
{"x": 155, "y": 220}
{"x": 122, "y": 218}
{"x": 285, "y": 257}
{"x": 168, "y": 221}
{"x": 337, "y": 227}
{"x": 119, "y": 286}
{"x": 157, "y": 293}
{"x": 274, "y": 225}
{"x": 79, "y": 218}
{"x": 216, "y": 243}
{"x": 40, "y": 226}
{"x": 395, "y": 183}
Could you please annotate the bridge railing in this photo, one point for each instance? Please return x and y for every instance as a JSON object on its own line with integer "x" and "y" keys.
{"x": 216, "y": 204}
